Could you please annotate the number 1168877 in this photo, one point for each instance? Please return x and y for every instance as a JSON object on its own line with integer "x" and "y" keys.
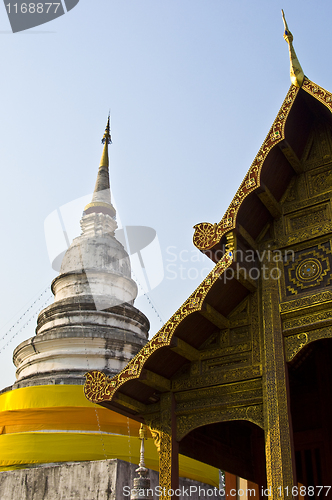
{"x": 33, "y": 8}
{"x": 302, "y": 491}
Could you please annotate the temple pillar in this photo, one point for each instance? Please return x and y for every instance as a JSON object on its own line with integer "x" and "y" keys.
{"x": 279, "y": 449}
{"x": 168, "y": 448}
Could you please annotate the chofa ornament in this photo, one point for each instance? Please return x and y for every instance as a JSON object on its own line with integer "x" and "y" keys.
{"x": 96, "y": 386}
{"x": 206, "y": 235}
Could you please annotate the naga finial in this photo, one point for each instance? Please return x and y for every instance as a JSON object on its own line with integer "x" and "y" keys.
{"x": 296, "y": 72}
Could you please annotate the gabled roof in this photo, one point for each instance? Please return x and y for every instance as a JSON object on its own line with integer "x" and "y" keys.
{"x": 253, "y": 206}
{"x": 277, "y": 161}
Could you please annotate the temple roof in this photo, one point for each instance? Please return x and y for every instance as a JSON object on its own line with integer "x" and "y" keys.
{"x": 276, "y": 163}
{"x": 255, "y": 205}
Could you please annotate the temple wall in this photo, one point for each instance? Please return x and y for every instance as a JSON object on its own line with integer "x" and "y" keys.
{"x": 97, "y": 480}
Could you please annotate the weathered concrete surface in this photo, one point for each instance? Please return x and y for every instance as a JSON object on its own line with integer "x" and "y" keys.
{"x": 99, "y": 480}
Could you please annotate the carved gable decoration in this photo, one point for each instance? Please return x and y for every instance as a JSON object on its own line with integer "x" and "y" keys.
{"x": 312, "y": 217}
{"x": 319, "y": 146}
{"x": 320, "y": 181}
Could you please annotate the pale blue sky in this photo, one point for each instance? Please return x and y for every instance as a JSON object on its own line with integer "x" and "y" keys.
{"x": 193, "y": 87}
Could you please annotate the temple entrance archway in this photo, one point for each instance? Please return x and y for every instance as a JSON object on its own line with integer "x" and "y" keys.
{"x": 234, "y": 446}
{"x": 310, "y": 381}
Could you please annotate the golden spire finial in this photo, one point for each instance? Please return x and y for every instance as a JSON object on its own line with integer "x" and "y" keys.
{"x": 107, "y": 134}
{"x": 101, "y": 198}
{"x": 296, "y": 72}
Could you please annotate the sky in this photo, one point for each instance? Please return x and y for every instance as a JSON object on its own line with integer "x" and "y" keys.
{"x": 193, "y": 87}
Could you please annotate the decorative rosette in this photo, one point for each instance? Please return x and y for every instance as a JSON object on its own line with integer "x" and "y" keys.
{"x": 96, "y": 386}
{"x": 206, "y": 235}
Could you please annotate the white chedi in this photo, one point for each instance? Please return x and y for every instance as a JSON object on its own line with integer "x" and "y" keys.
{"x": 92, "y": 324}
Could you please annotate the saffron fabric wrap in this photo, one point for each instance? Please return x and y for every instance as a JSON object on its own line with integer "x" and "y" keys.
{"x": 56, "y": 423}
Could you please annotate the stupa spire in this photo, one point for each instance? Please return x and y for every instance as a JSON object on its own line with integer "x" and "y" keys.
{"x": 101, "y": 198}
{"x": 296, "y": 72}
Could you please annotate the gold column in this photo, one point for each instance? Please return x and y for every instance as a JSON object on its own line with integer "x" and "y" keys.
{"x": 168, "y": 449}
{"x": 165, "y": 465}
{"x": 278, "y": 427}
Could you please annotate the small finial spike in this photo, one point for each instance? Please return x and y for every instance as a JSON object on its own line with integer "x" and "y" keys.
{"x": 107, "y": 134}
{"x": 296, "y": 72}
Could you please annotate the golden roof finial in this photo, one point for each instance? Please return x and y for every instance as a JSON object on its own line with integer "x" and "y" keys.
{"x": 296, "y": 72}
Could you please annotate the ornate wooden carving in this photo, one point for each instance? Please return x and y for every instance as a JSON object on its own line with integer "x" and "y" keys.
{"x": 278, "y": 444}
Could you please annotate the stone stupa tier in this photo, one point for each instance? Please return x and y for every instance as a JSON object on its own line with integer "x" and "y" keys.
{"x": 92, "y": 323}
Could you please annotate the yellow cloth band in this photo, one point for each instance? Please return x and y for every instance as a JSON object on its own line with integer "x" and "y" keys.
{"x": 33, "y": 421}
{"x": 44, "y": 396}
{"x": 47, "y": 447}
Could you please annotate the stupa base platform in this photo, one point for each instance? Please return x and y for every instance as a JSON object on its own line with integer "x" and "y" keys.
{"x": 100, "y": 479}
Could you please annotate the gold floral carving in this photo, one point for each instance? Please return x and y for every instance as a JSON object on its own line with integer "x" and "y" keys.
{"x": 279, "y": 463}
{"x": 160, "y": 428}
{"x": 229, "y": 363}
{"x": 321, "y": 181}
{"x": 302, "y": 200}
{"x": 305, "y": 302}
{"x": 306, "y": 322}
{"x": 220, "y": 377}
{"x": 255, "y": 330}
{"x": 311, "y": 217}
{"x": 318, "y": 93}
{"x": 220, "y": 398}
{"x": 305, "y": 234}
{"x": 294, "y": 343}
{"x": 187, "y": 423}
{"x": 100, "y": 388}
{"x": 165, "y": 462}
{"x": 205, "y": 233}
{"x": 222, "y": 392}
{"x": 208, "y": 235}
{"x": 156, "y": 436}
{"x": 96, "y": 386}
